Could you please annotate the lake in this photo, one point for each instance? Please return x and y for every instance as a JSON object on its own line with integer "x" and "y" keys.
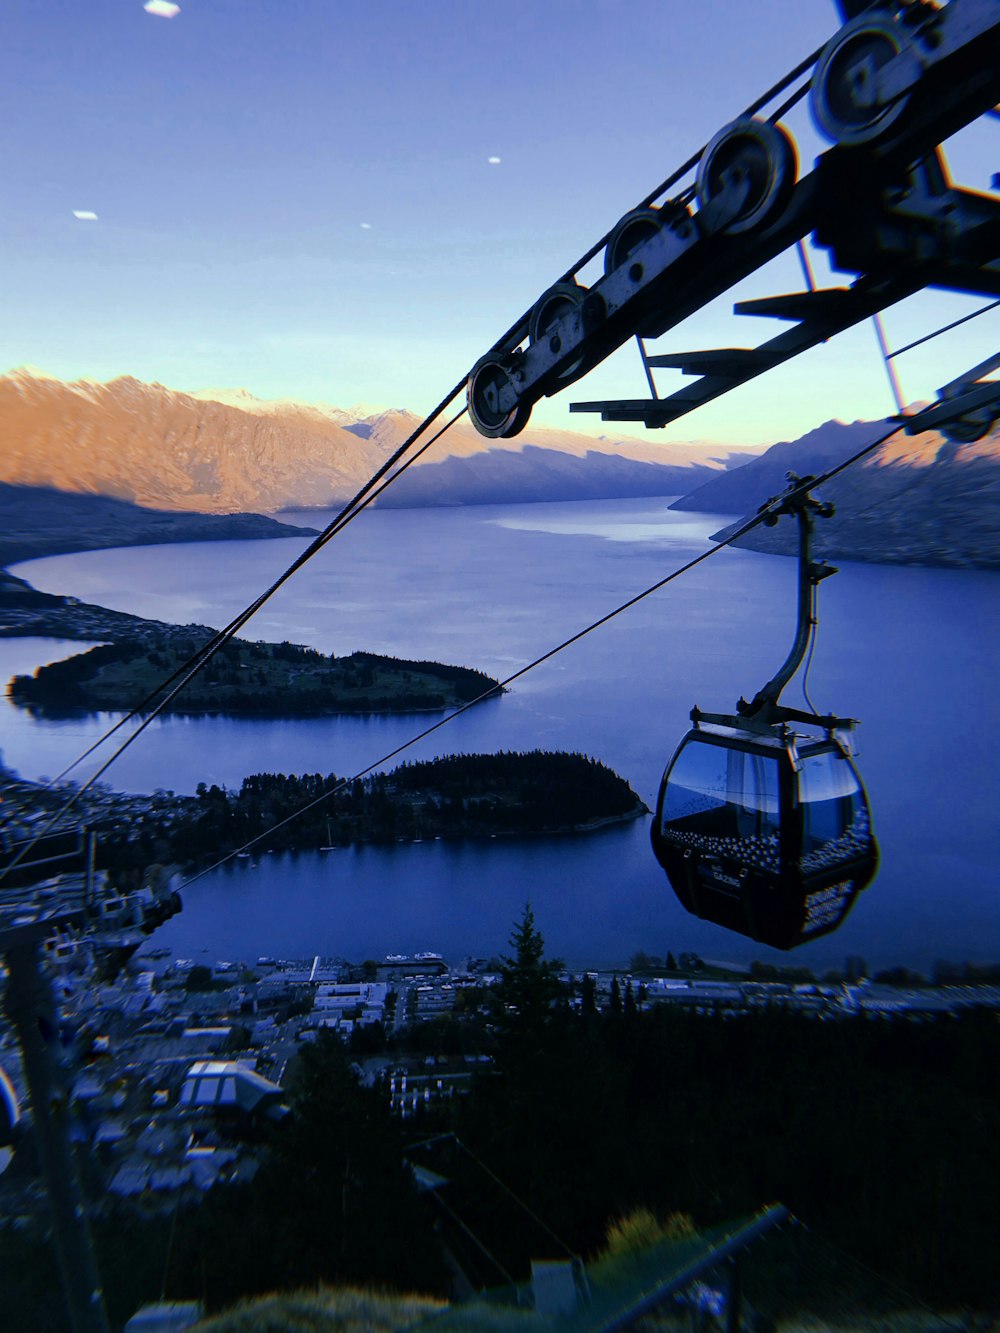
{"x": 911, "y": 652}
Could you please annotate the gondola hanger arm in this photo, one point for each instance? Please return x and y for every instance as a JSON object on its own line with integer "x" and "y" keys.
{"x": 804, "y": 507}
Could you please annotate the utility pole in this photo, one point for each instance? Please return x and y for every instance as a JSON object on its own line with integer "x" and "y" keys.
{"x": 31, "y": 1007}
{"x": 64, "y": 859}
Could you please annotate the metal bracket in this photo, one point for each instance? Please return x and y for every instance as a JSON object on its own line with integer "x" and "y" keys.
{"x": 966, "y": 409}
{"x": 798, "y": 502}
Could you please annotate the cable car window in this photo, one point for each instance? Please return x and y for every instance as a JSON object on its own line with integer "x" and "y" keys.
{"x": 726, "y": 802}
{"x": 698, "y": 787}
{"x": 835, "y": 819}
{"x": 753, "y": 791}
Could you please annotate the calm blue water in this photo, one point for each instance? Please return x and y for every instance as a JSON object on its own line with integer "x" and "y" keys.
{"x": 912, "y": 652}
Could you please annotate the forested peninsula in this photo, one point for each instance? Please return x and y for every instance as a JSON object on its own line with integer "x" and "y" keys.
{"x": 512, "y": 793}
{"x": 245, "y": 678}
{"x": 135, "y": 656}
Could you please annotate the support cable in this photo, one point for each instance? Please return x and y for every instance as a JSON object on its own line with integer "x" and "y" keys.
{"x": 890, "y": 369}
{"x": 471, "y": 1235}
{"x": 348, "y": 513}
{"x": 824, "y": 1243}
{"x": 452, "y": 1137}
{"x": 518, "y": 1200}
{"x": 494, "y": 690}
{"x": 790, "y": 101}
{"x": 946, "y": 328}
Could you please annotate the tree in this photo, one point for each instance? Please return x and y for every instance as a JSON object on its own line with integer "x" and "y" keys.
{"x": 333, "y": 1200}
{"x": 643, "y": 962}
{"x": 588, "y": 996}
{"x": 529, "y": 984}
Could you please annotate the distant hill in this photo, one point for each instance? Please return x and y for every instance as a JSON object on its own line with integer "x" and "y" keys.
{"x": 744, "y": 488}
{"x": 223, "y": 451}
{"x": 168, "y": 450}
{"x": 501, "y": 476}
{"x": 914, "y": 500}
{"x": 37, "y": 521}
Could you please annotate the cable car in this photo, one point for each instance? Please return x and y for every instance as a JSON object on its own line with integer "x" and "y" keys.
{"x": 764, "y": 828}
{"x": 767, "y": 832}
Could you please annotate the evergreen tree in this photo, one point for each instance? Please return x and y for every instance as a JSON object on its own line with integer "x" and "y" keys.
{"x": 529, "y": 986}
{"x": 588, "y": 996}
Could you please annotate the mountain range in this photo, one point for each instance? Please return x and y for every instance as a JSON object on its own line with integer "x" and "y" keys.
{"x": 914, "y": 500}
{"x": 224, "y": 451}
{"x": 39, "y": 520}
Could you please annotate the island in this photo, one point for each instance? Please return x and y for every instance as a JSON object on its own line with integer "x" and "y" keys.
{"x": 510, "y": 794}
{"x": 135, "y": 659}
{"x": 244, "y": 678}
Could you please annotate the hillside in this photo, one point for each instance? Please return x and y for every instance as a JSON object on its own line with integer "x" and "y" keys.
{"x": 914, "y": 500}
{"x": 220, "y": 451}
{"x": 744, "y": 488}
{"x": 163, "y": 449}
{"x": 503, "y": 476}
{"x": 37, "y": 521}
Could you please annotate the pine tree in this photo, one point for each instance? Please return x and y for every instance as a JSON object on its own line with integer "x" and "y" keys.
{"x": 528, "y": 982}
{"x": 588, "y": 996}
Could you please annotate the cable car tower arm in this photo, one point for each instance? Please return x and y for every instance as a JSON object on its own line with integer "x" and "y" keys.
{"x": 887, "y": 89}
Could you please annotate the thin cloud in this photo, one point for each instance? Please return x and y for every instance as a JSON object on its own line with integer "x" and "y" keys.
{"x": 84, "y": 214}
{"x": 366, "y": 226}
{"x": 163, "y": 9}
{"x": 494, "y": 161}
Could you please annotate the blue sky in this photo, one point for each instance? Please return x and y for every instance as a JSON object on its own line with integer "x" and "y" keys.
{"x": 234, "y": 153}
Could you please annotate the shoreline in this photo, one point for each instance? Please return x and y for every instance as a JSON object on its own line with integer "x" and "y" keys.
{"x": 27, "y": 613}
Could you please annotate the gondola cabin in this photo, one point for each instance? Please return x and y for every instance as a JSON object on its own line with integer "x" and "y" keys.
{"x": 764, "y": 831}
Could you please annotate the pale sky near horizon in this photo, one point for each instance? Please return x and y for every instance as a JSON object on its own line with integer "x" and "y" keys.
{"x": 340, "y": 201}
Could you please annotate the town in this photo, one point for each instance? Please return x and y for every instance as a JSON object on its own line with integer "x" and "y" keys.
{"x": 175, "y": 1064}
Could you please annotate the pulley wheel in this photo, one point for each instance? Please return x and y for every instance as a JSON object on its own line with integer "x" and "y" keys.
{"x": 549, "y": 309}
{"x": 632, "y": 231}
{"x": 752, "y": 155}
{"x": 488, "y": 379}
{"x": 969, "y": 427}
{"x": 845, "y": 98}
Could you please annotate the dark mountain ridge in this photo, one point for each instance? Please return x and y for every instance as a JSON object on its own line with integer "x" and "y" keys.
{"x": 40, "y": 520}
